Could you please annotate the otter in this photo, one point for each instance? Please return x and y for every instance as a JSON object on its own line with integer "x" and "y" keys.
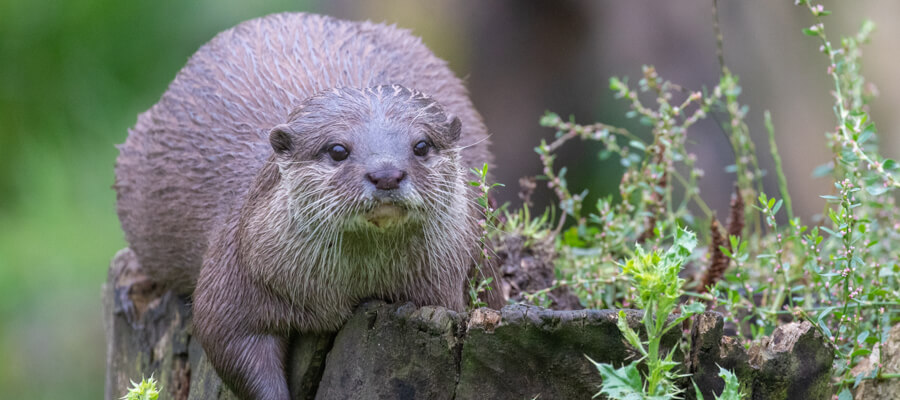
{"x": 296, "y": 166}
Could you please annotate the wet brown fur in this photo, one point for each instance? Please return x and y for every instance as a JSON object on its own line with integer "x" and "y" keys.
{"x": 270, "y": 242}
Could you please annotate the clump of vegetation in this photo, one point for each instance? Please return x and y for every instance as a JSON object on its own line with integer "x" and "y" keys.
{"x": 765, "y": 266}
{"x": 654, "y": 275}
{"x": 145, "y": 390}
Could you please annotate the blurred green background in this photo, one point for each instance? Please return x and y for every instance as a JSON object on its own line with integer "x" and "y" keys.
{"x": 74, "y": 75}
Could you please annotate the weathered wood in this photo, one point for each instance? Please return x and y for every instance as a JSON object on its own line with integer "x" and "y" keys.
{"x": 794, "y": 363}
{"x": 526, "y": 352}
{"x": 394, "y": 352}
{"x": 147, "y": 331}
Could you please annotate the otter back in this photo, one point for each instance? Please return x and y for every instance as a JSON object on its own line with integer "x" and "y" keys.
{"x": 189, "y": 161}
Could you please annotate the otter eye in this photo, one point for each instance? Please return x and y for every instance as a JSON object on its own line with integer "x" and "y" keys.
{"x": 421, "y": 148}
{"x": 338, "y": 152}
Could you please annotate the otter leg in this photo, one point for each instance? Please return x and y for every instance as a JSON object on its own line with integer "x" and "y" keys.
{"x": 253, "y": 366}
{"x": 232, "y": 320}
{"x": 249, "y": 360}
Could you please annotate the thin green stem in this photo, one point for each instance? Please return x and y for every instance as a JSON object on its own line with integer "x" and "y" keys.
{"x": 782, "y": 181}
{"x": 881, "y": 377}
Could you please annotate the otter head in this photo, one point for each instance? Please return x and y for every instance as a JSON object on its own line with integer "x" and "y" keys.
{"x": 379, "y": 158}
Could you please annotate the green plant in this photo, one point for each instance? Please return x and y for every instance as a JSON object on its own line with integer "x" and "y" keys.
{"x": 592, "y": 247}
{"x": 145, "y": 390}
{"x": 522, "y": 224}
{"x": 654, "y": 275}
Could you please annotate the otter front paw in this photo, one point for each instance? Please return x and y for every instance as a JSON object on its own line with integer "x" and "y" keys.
{"x": 251, "y": 365}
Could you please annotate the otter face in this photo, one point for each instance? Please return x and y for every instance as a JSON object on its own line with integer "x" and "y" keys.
{"x": 377, "y": 158}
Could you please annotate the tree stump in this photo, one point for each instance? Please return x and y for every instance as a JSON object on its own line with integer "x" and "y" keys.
{"x": 398, "y": 351}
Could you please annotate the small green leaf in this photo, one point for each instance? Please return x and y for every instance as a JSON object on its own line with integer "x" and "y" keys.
{"x": 830, "y": 232}
{"x": 876, "y": 189}
{"x": 859, "y": 378}
{"x": 698, "y": 394}
{"x": 848, "y": 156}
{"x": 823, "y": 170}
{"x": 549, "y": 119}
{"x": 622, "y": 383}
{"x": 845, "y": 395}
{"x": 732, "y": 390}
{"x": 860, "y": 352}
{"x": 867, "y": 133}
{"x": 615, "y": 84}
{"x": 726, "y": 252}
{"x": 824, "y": 313}
{"x": 693, "y": 308}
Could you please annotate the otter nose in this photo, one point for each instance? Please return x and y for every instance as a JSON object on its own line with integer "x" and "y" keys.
{"x": 386, "y": 179}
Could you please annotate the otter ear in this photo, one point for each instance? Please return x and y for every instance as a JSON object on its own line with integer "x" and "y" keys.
{"x": 454, "y": 129}
{"x": 280, "y": 139}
